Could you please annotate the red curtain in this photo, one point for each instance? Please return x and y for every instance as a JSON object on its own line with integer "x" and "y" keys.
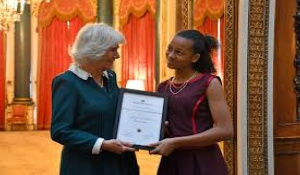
{"x": 65, "y": 10}
{"x": 138, "y": 54}
{"x": 137, "y": 8}
{"x": 212, "y": 9}
{"x": 2, "y": 79}
{"x": 210, "y": 27}
{"x": 54, "y": 59}
{"x": 74, "y": 26}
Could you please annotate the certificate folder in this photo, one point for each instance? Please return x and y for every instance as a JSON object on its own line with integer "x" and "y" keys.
{"x": 140, "y": 117}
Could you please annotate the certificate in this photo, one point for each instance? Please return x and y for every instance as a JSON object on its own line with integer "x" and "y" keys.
{"x": 140, "y": 117}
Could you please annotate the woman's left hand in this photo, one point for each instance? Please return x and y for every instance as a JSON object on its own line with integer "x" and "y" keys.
{"x": 164, "y": 147}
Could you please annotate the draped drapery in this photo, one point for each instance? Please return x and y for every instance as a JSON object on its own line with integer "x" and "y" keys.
{"x": 136, "y": 8}
{"x": 59, "y": 23}
{"x": 65, "y": 10}
{"x": 2, "y": 79}
{"x": 210, "y": 27}
{"x": 209, "y": 19}
{"x": 55, "y": 41}
{"x": 212, "y": 9}
{"x": 137, "y": 19}
{"x": 138, "y": 54}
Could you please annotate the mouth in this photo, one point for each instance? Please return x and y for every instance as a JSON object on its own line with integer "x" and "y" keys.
{"x": 170, "y": 62}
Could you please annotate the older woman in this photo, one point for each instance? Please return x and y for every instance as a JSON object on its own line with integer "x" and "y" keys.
{"x": 84, "y": 102}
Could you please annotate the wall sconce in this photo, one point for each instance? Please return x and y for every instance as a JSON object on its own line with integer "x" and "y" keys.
{"x": 135, "y": 84}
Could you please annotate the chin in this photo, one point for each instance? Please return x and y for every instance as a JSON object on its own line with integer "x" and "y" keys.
{"x": 109, "y": 66}
{"x": 171, "y": 66}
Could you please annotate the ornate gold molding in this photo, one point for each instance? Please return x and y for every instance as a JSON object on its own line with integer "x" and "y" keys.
{"x": 230, "y": 78}
{"x": 185, "y": 13}
{"x": 35, "y": 6}
{"x": 94, "y": 5}
{"x": 257, "y": 86}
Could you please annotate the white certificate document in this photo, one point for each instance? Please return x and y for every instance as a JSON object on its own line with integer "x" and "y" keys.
{"x": 141, "y": 118}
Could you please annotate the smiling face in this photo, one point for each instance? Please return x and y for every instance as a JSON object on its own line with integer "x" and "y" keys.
{"x": 109, "y": 57}
{"x": 180, "y": 54}
{"x": 107, "y": 60}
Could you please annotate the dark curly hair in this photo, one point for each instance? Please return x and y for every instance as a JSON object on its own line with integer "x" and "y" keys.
{"x": 203, "y": 45}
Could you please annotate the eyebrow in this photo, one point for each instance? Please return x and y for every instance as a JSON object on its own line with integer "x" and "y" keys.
{"x": 179, "y": 49}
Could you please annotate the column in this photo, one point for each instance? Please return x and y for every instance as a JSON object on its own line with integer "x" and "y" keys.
{"x": 20, "y": 112}
{"x": 105, "y": 11}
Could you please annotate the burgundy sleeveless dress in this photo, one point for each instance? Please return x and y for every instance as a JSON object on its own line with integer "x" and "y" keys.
{"x": 188, "y": 114}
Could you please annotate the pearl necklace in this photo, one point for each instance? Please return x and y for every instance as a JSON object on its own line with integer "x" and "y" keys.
{"x": 181, "y": 87}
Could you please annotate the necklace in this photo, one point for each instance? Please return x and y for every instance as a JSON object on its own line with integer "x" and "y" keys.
{"x": 178, "y": 87}
{"x": 181, "y": 87}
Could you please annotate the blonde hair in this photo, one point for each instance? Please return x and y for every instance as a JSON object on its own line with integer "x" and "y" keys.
{"x": 93, "y": 40}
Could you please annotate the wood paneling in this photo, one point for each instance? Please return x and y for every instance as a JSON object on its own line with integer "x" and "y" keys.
{"x": 284, "y": 70}
{"x": 286, "y": 127}
{"x": 287, "y": 156}
{"x": 287, "y": 165}
{"x": 287, "y": 146}
{"x": 288, "y": 130}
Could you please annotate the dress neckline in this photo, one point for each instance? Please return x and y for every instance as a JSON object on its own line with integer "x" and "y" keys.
{"x": 198, "y": 77}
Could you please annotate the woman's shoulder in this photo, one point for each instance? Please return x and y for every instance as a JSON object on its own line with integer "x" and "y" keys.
{"x": 162, "y": 85}
{"x": 212, "y": 78}
{"x": 205, "y": 79}
{"x": 64, "y": 75}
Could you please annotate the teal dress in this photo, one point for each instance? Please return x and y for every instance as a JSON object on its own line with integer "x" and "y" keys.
{"x": 82, "y": 111}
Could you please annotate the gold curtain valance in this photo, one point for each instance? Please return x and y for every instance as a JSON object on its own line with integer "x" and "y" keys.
{"x": 66, "y": 10}
{"x": 135, "y": 7}
{"x": 213, "y": 9}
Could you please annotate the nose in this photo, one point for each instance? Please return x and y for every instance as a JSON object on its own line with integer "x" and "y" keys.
{"x": 170, "y": 54}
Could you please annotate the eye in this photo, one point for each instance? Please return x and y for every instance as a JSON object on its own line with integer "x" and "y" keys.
{"x": 179, "y": 53}
{"x": 169, "y": 49}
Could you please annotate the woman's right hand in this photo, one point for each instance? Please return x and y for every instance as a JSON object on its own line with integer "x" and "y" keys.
{"x": 164, "y": 147}
{"x": 116, "y": 146}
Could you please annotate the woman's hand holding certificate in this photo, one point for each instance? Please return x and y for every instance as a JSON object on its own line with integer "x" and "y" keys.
{"x": 140, "y": 117}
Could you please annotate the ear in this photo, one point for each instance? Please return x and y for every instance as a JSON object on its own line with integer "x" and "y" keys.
{"x": 196, "y": 57}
